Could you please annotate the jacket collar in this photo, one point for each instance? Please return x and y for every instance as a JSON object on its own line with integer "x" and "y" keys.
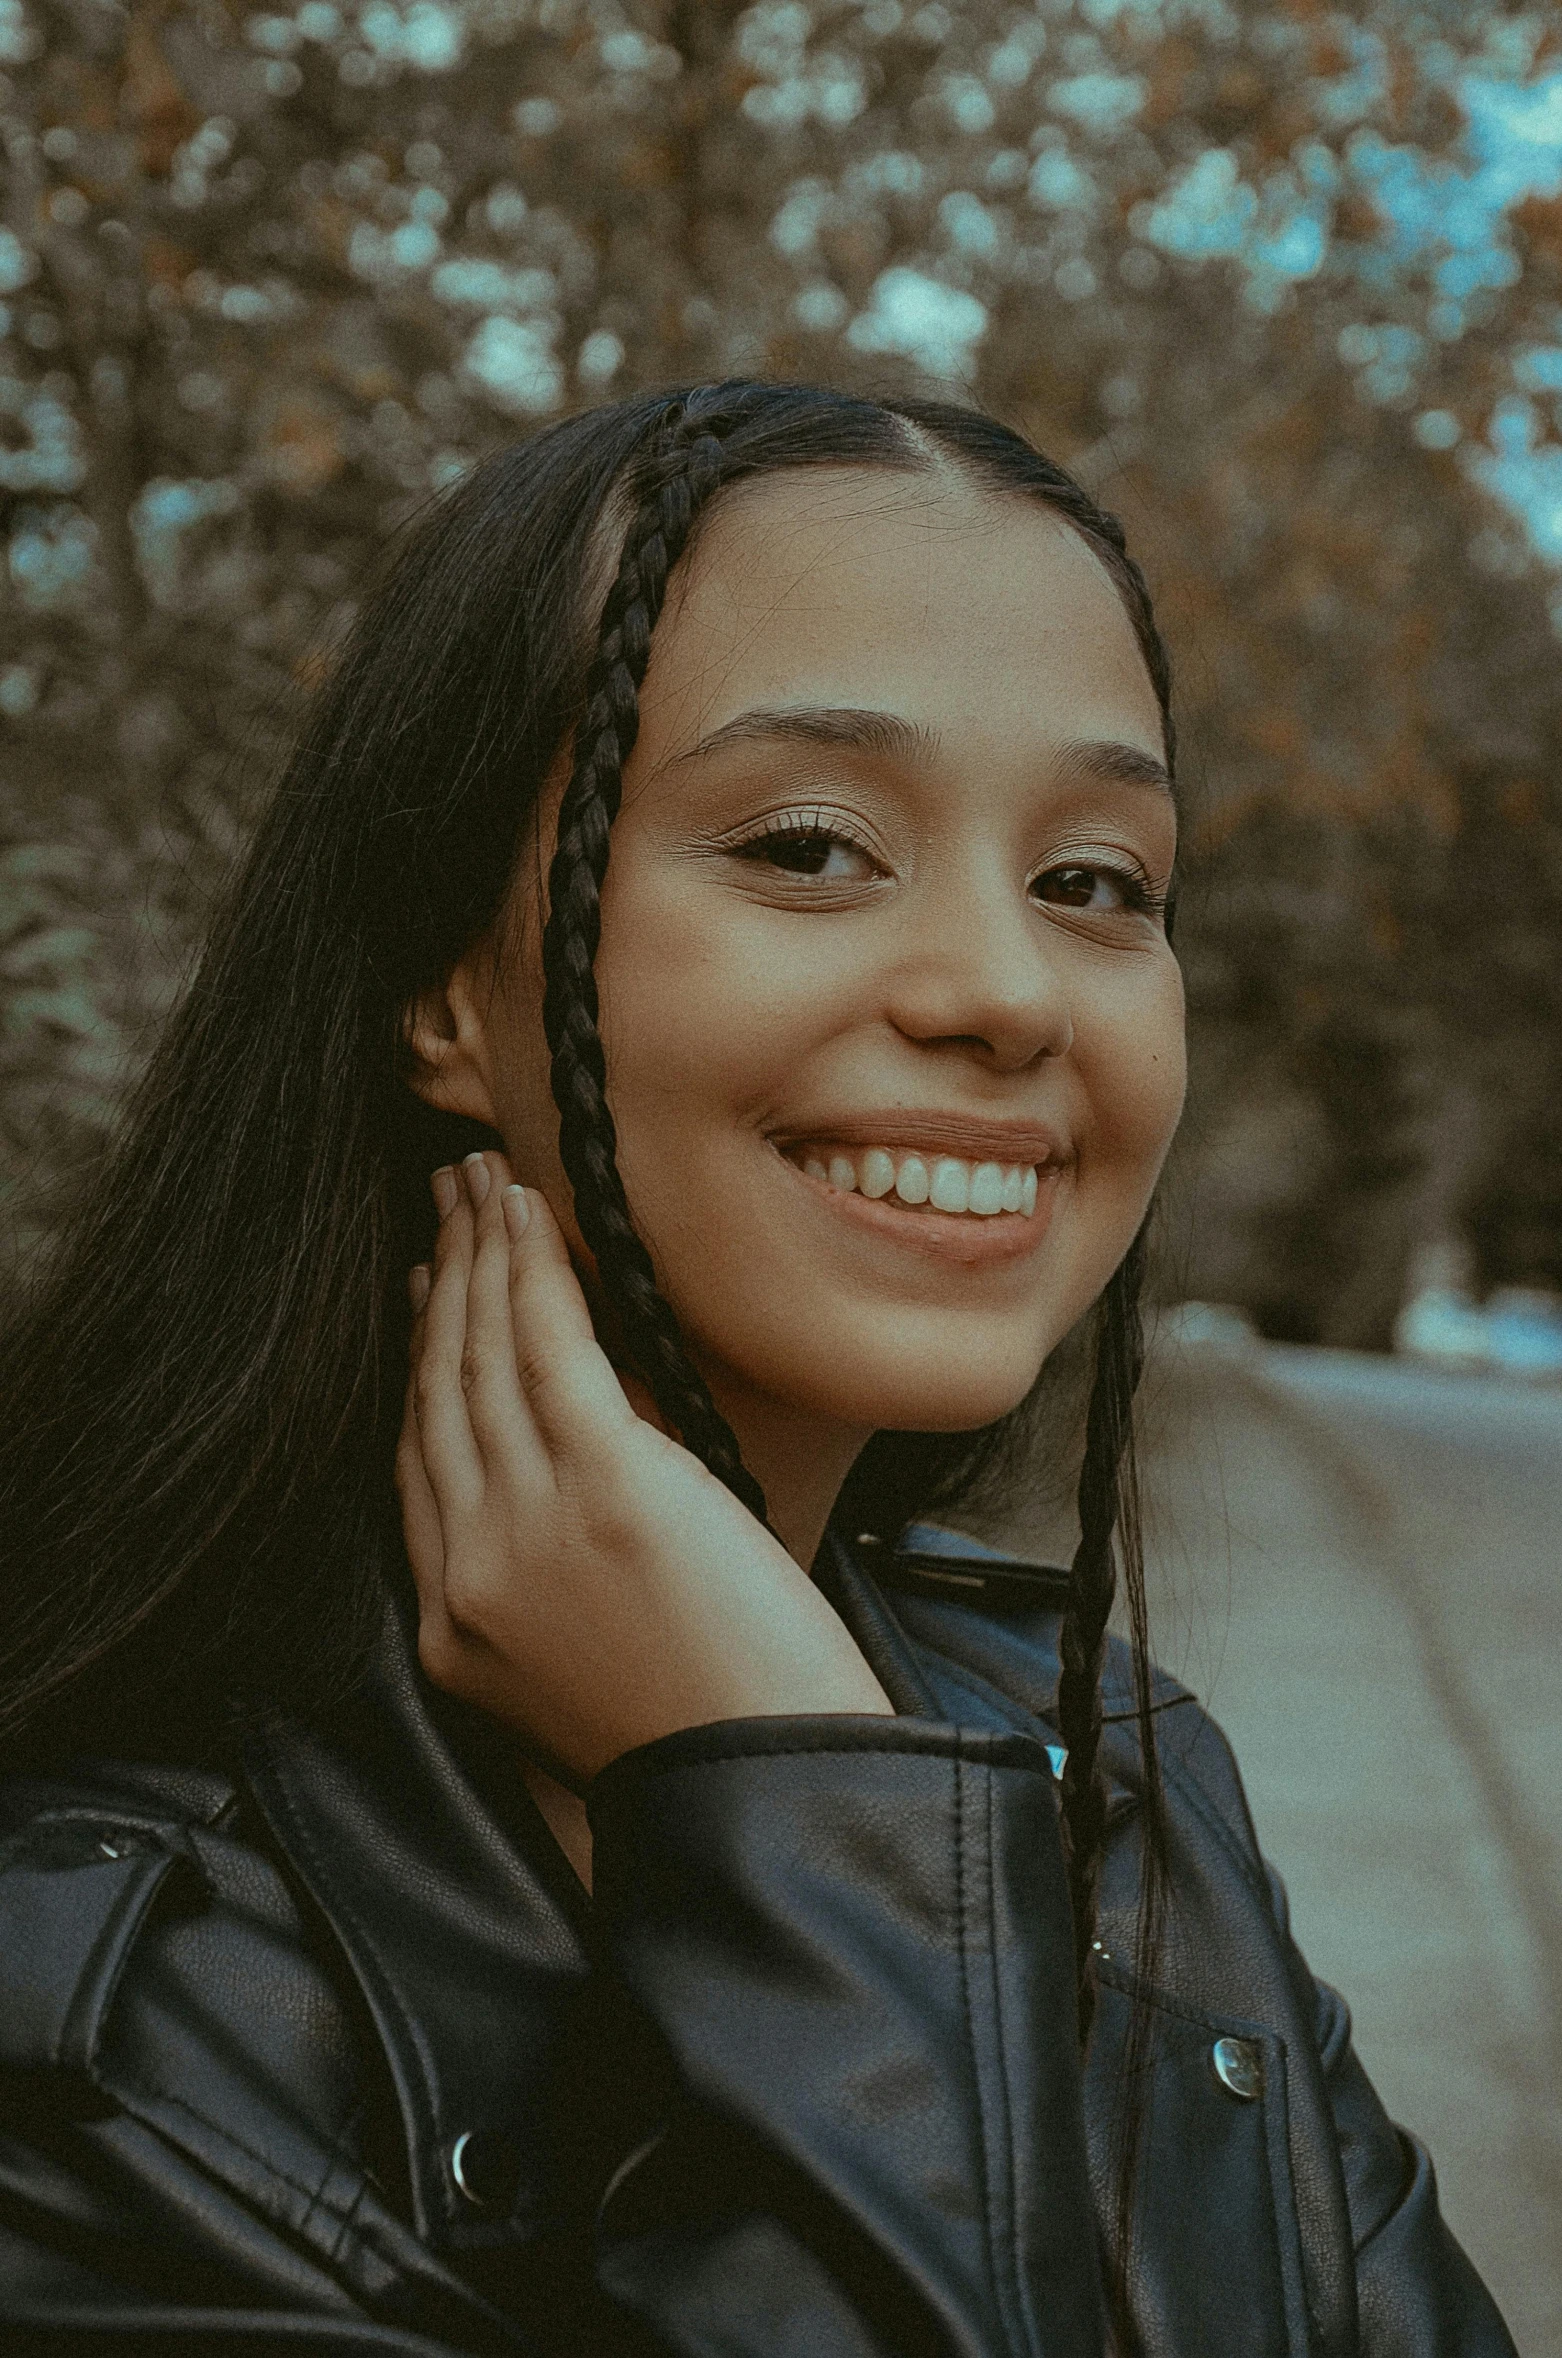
{"x": 861, "y": 1604}
{"x": 923, "y": 1681}
{"x": 410, "y": 1825}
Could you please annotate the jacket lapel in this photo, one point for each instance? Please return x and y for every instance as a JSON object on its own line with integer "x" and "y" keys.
{"x": 1216, "y": 2253}
{"x": 467, "y": 1943}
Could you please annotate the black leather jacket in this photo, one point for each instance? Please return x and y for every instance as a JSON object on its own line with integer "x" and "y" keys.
{"x": 325, "y": 2051}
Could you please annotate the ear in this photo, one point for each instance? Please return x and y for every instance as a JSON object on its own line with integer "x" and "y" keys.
{"x": 446, "y": 1031}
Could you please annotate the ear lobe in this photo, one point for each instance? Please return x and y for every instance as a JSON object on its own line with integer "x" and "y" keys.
{"x": 447, "y": 1049}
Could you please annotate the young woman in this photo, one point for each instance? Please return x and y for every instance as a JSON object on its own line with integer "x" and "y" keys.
{"x": 549, "y": 1854}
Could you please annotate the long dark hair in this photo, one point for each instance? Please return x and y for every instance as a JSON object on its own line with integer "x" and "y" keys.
{"x": 198, "y": 1411}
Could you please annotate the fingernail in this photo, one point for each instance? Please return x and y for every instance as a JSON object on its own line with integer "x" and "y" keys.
{"x": 419, "y": 1281}
{"x": 478, "y": 1181}
{"x": 517, "y": 1211}
{"x": 445, "y": 1191}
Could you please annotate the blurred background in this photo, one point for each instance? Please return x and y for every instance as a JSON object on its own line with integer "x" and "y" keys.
{"x": 1282, "y": 282}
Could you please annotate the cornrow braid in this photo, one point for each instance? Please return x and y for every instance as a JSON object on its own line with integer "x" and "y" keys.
{"x": 1152, "y": 646}
{"x": 1093, "y": 1587}
{"x": 685, "y": 467}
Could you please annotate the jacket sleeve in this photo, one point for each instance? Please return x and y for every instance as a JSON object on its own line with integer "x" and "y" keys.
{"x": 1417, "y": 2295}
{"x": 852, "y": 1938}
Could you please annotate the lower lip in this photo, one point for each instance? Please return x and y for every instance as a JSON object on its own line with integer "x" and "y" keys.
{"x": 967, "y": 1239}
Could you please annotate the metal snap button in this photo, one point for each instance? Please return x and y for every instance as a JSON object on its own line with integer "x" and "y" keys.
{"x": 1239, "y": 2066}
{"x": 486, "y": 2169}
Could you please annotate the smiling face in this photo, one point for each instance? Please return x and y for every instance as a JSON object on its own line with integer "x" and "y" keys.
{"x": 893, "y": 1031}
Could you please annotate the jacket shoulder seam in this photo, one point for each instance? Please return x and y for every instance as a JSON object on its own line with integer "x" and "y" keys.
{"x": 1248, "y": 1862}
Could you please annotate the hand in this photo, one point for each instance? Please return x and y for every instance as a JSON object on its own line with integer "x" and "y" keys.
{"x": 580, "y": 1575}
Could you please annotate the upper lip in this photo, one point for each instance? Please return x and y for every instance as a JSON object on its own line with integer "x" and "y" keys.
{"x": 975, "y": 1138}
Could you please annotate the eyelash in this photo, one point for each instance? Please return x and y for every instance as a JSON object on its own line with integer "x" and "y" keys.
{"x": 1140, "y": 895}
{"x": 800, "y": 827}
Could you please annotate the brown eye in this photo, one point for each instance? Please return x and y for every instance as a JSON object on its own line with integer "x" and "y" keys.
{"x": 812, "y": 852}
{"x": 800, "y": 855}
{"x": 1081, "y": 888}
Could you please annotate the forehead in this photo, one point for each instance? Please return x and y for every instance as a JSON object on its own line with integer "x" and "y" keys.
{"x": 971, "y": 612}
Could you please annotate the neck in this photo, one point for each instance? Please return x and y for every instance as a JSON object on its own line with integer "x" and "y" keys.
{"x": 798, "y": 1460}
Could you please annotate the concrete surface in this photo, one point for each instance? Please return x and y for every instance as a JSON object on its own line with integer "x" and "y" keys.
{"x": 1355, "y": 1562}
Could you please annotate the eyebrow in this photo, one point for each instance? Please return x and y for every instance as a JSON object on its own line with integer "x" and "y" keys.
{"x": 865, "y": 729}
{"x": 852, "y": 728}
{"x": 1116, "y": 764}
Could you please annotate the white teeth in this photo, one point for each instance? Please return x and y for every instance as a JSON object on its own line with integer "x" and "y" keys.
{"x": 986, "y": 1190}
{"x": 944, "y": 1182}
{"x": 951, "y": 1185}
{"x": 878, "y": 1172}
{"x": 911, "y": 1181}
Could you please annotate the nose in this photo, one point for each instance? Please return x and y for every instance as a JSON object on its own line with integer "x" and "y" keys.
{"x": 975, "y": 973}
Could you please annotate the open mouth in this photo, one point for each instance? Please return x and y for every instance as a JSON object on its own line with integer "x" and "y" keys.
{"x": 940, "y": 1184}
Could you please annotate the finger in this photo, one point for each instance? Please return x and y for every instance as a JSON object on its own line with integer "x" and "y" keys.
{"x": 449, "y": 1449}
{"x": 498, "y": 1412}
{"x": 438, "y": 1645}
{"x": 419, "y": 1509}
{"x": 565, "y": 1376}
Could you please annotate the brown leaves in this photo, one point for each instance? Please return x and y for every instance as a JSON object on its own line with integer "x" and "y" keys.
{"x": 153, "y": 102}
{"x": 1170, "y": 70}
{"x": 1538, "y": 221}
{"x": 1357, "y": 218}
{"x": 649, "y": 163}
{"x": 301, "y": 443}
{"x": 165, "y": 264}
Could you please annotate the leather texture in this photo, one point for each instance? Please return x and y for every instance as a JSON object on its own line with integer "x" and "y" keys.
{"x": 323, "y": 2049}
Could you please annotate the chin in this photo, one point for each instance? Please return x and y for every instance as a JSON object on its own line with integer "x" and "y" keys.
{"x": 944, "y": 1411}
{"x": 885, "y": 1394}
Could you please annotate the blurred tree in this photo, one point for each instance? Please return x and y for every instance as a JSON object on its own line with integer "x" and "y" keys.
{"x": 1282, "y": 281}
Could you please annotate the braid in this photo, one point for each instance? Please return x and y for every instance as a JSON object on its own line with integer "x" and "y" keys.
{"x": 1103, "y": 1495}
{"x": 1108, "y": 1489}
{"x": 686, "y": 463}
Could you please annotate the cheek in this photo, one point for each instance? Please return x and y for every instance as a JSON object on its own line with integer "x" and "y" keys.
{"x": 1128, "y": 1077}
{"x": 678, "y": 1051}
{"x": 1131, "y": 1075}
{"x": 1132, "y": 1057}
{"x": 707, "y": 1011}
